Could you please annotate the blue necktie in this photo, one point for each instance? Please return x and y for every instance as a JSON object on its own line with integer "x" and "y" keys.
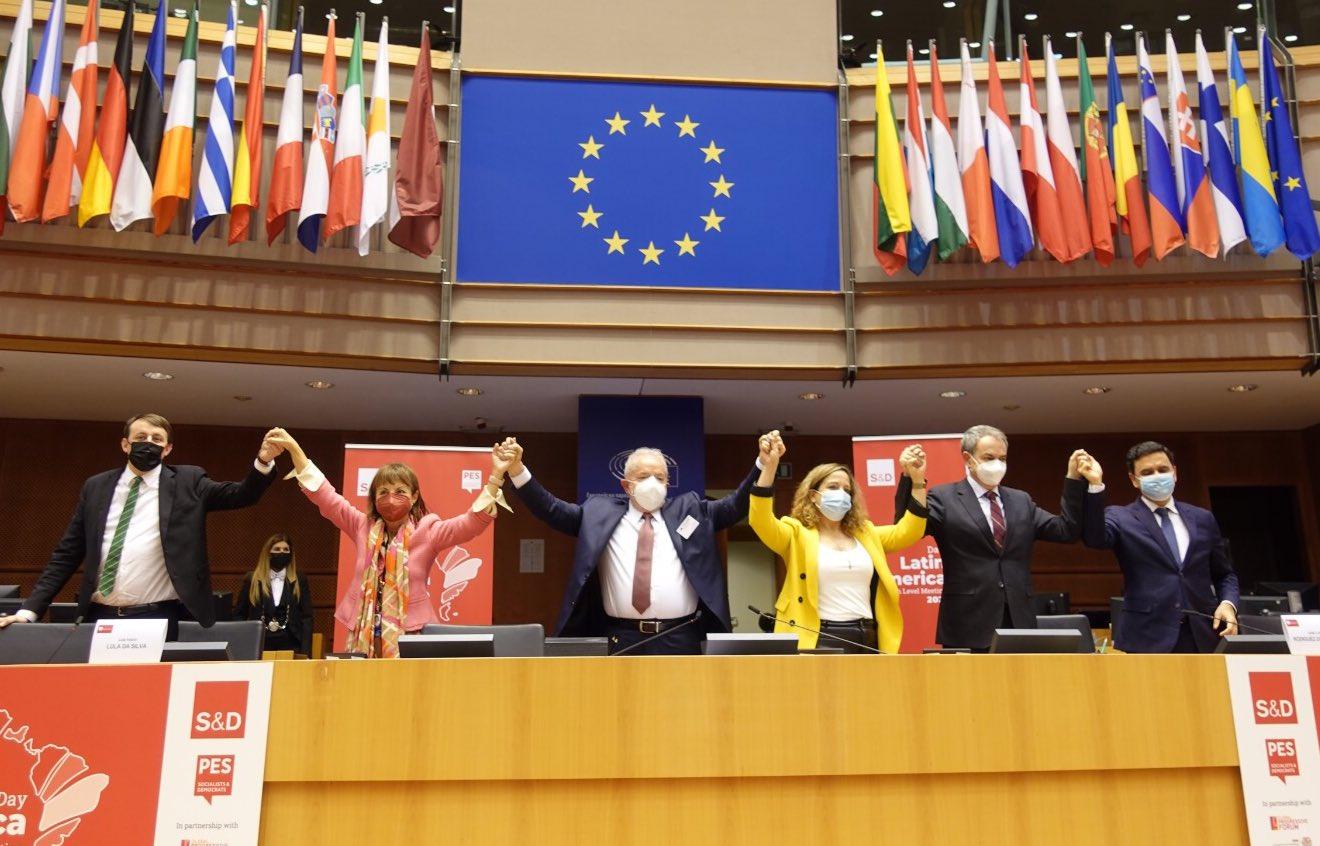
{"x": 1167, "y": 526}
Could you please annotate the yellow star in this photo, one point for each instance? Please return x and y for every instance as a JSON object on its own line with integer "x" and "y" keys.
{"x": 712, "y": 221}
{"x": 687, "y": 247}
{"x": 581, "y": 182}
{"x": 687, "y": 126}
{"x": 590, "y": 216}
{"x": 1293, "y": 182}
{"x": 712, "y": 153}
{"x": 1274, "y": 102}
{"x": 1269, "y": 116}
{"x": 590, "y": 149}
{"x": 652, "y": 119}
{"x": 617, "y": 123}
{"x": 1274, "y": 176}
{"x": 722, "y": 187}
{"x": 616, "y": 243}
{"x": 652, "y": 255}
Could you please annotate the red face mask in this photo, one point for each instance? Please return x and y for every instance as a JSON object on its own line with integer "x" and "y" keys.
{"x": 393, "y": 507}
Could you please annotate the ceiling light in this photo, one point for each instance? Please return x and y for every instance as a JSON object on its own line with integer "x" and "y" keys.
{"x": 320, "y": 384}
{"x": 449, "y": 10}
{"x": 242, "y": 397}
{"x": 250, "y": 2}
{"x": 377, "y": 2}
{"x": 180, "y": 13}
{"x": 1184, "y": 17}
{"x": 925, "y": 51}
{"x": 1030, "y": 16}
{"x": 949, "y": 4}
{"x": 1245, "y": 7}
{"x": 953, "y": 394}
{"x": 1239, "y": 29}
{"x": 1290, "y": 38}
{"x": 1126, "y": 27}
{"x": 845, "y": 38}
{"x": 1243, "y": 389}
{"x": 1097, "y": 390}
{"x": 1012, "y": 406}
{"x": 875, "y": 55}
{"x": 469, "y": 392}
{"x": 1070, "y": 35}
{"x": 877, "y": 13}
{"x": 157, "y": 376}
{"x": 973, "y": 44}
{"x": 811, "y": 395}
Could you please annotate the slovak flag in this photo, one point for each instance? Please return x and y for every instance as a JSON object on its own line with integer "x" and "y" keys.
{"x": 1195, "y": 196}
{"x": 1006, "y": 191}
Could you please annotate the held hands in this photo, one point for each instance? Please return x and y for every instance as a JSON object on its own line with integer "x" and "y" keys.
{"x": 284, "y": 442}
{"x": 771, "y": 448}
{"x": 1226, "y": 617}
{"x": 500, "y": 461}
{"x": 913, "y": 462}
{"x": 509, "y": 453}
{"x": 1081, "y": 465}
{"x": 269, "y": 449}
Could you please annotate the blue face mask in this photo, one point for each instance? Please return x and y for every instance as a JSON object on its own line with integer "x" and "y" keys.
{"x": 1158, "y": 487}
{"x": 835, "y": 504}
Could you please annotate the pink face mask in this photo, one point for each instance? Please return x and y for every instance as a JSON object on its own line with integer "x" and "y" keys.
{"x": 393, "y": 507}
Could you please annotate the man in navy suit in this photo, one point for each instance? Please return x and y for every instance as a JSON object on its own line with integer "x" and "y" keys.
{"x": 645, "y": 564}
{"x": 1173, "y": 558}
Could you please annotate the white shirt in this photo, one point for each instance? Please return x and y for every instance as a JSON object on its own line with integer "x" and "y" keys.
{"x": 276, "y": 586}
{"x": 981, "y": 490}
{"x": 845, "y": 583}
{"x": 1179, "y": 527}
{"x": 672, "y": 595}
{"x": 141, "y": 577}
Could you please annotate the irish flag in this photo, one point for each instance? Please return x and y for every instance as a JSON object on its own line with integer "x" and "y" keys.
{"x": 174, "y": 170}
{"x": 27, "y": 175}
{"x": 975, "y": 165}
{"x": 73, "y": 146}
{"x": 950, "y": 207}
{"x": 345, "y": 205}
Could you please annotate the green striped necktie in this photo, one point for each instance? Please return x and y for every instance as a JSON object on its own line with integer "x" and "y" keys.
{"x": 111, "y": 567}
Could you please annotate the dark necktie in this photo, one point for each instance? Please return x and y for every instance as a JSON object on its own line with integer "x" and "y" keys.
{"x": 1166, "y": 525}
{"x": 997, "y": 526}
{"x": 641, "y": 594}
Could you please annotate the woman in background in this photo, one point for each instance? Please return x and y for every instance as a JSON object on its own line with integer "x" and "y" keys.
{"x": 277, "y": 595}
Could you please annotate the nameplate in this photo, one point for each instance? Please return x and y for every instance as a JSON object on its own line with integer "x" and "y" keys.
{"x": 1303, "y": 633}
{"x": 127, "y": 641}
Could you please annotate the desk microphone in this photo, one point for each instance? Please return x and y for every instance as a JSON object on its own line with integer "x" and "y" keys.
{"x": 51, "y": 657}
{"x": 1239, "y": 625}
{"x": 758, "y": 612}
{"x": 696, "y": 616}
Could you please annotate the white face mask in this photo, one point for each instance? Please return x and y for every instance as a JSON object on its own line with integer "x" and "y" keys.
{"x": 991, "y": 473}
{"x": 649, "y": 493}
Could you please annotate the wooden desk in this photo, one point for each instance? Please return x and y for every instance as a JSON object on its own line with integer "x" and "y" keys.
{"x": 936, "y": 749}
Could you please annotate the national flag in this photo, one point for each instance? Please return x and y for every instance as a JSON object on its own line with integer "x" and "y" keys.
{"x": 174, "y": 170}
{"x": 13, "y": 96}
{"x": 1217, "y": 155}
{"x": 1012, "y": 219}
{"x": 216, "y": 174}
{"x": 247, "y": 161}
{"x": 111, "y": 130}
{"x": 28, "y": 167}
{"x": 287, "y": 171}
{"x": 137, "y": 173}
{"x": 418, "y": 180}
{"x": 1128, "y": 199}
{"x": 1302, "y": 236}
{"x": 1260, "y": 205}
{"x": 1167, "y": 224}
{"x": 376, "y": 177}
{"x": 73, "y": 146}
{"x": 316, "y": 187}
{"x": 1195, "y": 197}
{"x": 975, "y": 165}
{"x": 950, "y": 206}
{"x": 1063, "y": 161}
{"x": 1096, "y": 170}
{"x": 344, "y": 208}
{"x": 921, "y": 201}
{"x": 893, "y": 218}
{"x": 1037, "y": 170}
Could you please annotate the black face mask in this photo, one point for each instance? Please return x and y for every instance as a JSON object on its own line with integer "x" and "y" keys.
{"x": 145, "y": 456}
{"x": 280, "y": 560}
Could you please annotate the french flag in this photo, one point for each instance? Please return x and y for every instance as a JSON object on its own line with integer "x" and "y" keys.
{"x": 1167, "y": 223}
{"x": 1012, "y": 219}
{"x": 1194, "y": 194}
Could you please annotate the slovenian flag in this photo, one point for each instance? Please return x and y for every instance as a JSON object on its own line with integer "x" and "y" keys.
{"x": 1037, "y": 171}
{"x": 287, "y": 171}
{"x": 975, "y": 165}
{"x": 1300, "y": 231}
{"x": 1063, "y": 161}
{"x": 921, "y": 202}
{"x": 1195, "y": 197}
{"x": 1260, "y": 205}
{"x": 950, "y": 206}
{"x": 1217, "y": 156}
{"x": 316, "y": 187}
{"x": 1167, "y": 224}
{"x": 27, "y": 174}
{"x": 1131, "y": 205}
{"x": 1006, "y": 190}
{"x": 174, "y": 170}
{"x": 137, "y": 173}
{"x": 215, "y": 179}
{"x": 73, "y": 147}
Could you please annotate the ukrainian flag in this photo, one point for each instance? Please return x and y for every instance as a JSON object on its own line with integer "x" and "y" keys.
{"x": 1259, "y": 204}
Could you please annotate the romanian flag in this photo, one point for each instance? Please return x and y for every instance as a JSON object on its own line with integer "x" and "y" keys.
{"x": 1037, "y": 169}
{"x": 1128, "y": 200}
{"x": 376, "y": 179}
{"x": 1300, "y": 231}
{"x": 27, "y": 174}
{"x": 316, "y": 187}
{"x": 1260, "y": 206}
{"x": 174, "y": 170}
{"x": 73, "y": 147}
{"x": 892, "y": 216}
{"x": 975, "y": 166}
{"x": 1193, "y": 181}
{"x": 287, "y": 171}
{"x": 247, "y": 161}
{"x": 1096, "y": 170}
{"x": 1167, "y": 223}
{"x": 111, "y": 130}
{"x": 137, "y": 173}
{"x": 344, "y": 209}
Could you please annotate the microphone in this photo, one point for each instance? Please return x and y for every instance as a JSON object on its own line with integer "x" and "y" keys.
{"x": 56, "y": 651}
{"x": 1240, "y": 626}
{"x": 696, "y": 616}
{"x": 758, "y": 612}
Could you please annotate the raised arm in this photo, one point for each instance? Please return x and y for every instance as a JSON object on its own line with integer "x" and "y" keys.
{"x": 773, "y": 532}
{"x": 1065, "y": 527}
{"x": 732, "y": 509}
{"x": 559, "y": 515}
{"x": 226, "y": 496}
{"x": 1098, "y": 530}
{"x": 911, "y": 524}
{"x": 333, "y": 507}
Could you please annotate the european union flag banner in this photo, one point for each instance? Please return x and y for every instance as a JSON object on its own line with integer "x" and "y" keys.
{"x": 619, "y": 183}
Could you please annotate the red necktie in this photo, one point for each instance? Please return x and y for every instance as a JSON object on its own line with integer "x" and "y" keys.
{"x": 641, "y": 598}
{"x": 996, "y": 518}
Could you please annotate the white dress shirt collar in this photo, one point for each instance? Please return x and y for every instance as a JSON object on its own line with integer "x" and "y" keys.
{"x": 151, "y": 478}
{"x": 1152, "y": 505}
{"x": 977, "y": 488}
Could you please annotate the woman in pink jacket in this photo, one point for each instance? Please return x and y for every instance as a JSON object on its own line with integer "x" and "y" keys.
{"x": 397, "y": 540}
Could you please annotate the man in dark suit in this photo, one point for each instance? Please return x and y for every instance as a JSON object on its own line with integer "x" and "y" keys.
{"x": 1172, "y": 556}
{"x": 986, "y": 533}
{"x": 644, "y": 564}
{"x": 140, "y": 532}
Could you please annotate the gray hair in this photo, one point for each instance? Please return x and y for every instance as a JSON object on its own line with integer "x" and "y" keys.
{"x": 973, "y": 436}
{"x": 640, "y": 453}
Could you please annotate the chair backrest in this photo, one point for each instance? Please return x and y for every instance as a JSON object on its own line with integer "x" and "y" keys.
{"x": 576, "y": 647}
{"x": 8, "y": 591}
{"x": 1080, "y": 622}
{"x": 1271, "y": 623}
{"x": 62, "y": 612}
{"x": 246, "y": 638}
{"x": 45, "y": 643}
{"x": 224, "y": 605}
{"x": 1115, "y": 615}
{"x": 525, "y": 640}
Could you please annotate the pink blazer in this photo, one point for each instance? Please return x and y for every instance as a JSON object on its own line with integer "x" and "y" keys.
{"x": 429, "y": 537}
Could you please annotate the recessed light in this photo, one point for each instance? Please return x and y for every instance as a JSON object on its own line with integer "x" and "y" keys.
{"x": 952, "y": 394}
{"x": 1126, "y": 27}
{"x": 973, "y": 44}
{"x": 877, "y": 13}
{"x": 449, "y": 10}
{"x": 377, "y": 2}
{"x": 1097, "y": 390}
{"x": 1070, "y": 35}
{"x": 1184, "y": 17}
{"x": 180, "y": 13}
{"x": 1246, "y": 7}
{"x": 157, "y": 376}
{"x": 1245, "y": 388}
{"x": 811, "y": 395}
{"x": 1030, "y": 16}
{"x": 242, "y": 397}
{"x": 1290, "y": 38}
{"x": 250, "y": 2}
{"x": 875, "y": 55}
{"x": 1012, "y": 406}
{"x": 469, "y": 392}
{"x": 925, "y": 51}
{"x": 845, "y": 37}
{"x": 320, "y": 384}
{"x": 949, "y": 4}
{"x": 1239, "y": 29}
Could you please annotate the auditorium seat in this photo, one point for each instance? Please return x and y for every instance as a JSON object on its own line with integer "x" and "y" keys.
{"x": 520, "y": 641}
{"x": 45, "y": 643}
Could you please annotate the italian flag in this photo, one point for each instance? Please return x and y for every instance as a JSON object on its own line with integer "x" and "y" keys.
{"x": 344, "y": 208}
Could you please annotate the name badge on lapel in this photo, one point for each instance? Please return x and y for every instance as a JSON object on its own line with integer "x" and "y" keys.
{"x": 687, "y": 527}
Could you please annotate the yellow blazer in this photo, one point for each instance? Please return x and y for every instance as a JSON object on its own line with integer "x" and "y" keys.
{"x": 799, "y": 546}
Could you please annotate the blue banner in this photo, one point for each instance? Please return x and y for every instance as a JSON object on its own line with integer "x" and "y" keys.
{"x": 611, "y": 427}
{"x": 620, "y": 183}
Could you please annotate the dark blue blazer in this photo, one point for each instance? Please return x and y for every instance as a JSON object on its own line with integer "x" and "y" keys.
{"x": 593, "y": 522}
{"x": 1155, "y": 590}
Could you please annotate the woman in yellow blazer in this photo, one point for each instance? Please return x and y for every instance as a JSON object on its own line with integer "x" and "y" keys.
{"x": 838, "y": 580}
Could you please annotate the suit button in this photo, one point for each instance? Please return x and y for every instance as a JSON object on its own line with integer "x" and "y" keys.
{"x": 1001, "y": 584}
{"x": 799, "y": 599}
{"x": 802, "y": 575}
{"x": 792, "y": 622}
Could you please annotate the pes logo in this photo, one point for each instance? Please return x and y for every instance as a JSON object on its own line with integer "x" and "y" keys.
{"x": 1272, "y": 701}
{"x": 219, "y": 710}
{"x": 1281, "y": 755}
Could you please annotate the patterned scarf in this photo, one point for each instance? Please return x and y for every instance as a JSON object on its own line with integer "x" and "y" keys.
{"x": 393, "y": 561}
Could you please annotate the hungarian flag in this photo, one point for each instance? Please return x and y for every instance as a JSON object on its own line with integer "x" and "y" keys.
{"x": 111, "y": 130}
{"x": 893, "y": 219}
{"x": 286, "y": 173}
{"x": 376, "y": 177}
{"x": 28, "y": 168}
{"x": 975, "y": 165}
{"x": 1129, "y": 202}
{"x": 921, "y": 201}
{"x": 215, "y": 178}
{"x": 1037, "y": 169}
{"x": 247, "y": 162}
{"x": 137, "y": 173}
{"x": 174, "y": 171}
{"x": 418, "y": 180}
{"x": 1195, "y": 196}
{"x": 316, "y": 187}
{"x": 1167, "y": 224}
{"x": 1063, "y": 161}
{"x": 1095, "y": 166}
{"x": 344, "y": 208}
{"x": 73, "y": 147}
{"x": 13, "y": 96}
{"x": 950, "y": 207}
